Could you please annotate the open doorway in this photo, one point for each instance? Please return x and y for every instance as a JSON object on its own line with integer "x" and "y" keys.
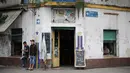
{"x": 67, "y": 47}
{"x": 63, "y": 46}
{"x": 16, "y": 41}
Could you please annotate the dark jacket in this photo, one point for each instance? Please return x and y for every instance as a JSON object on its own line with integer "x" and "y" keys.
{"x": 33, "y": 50}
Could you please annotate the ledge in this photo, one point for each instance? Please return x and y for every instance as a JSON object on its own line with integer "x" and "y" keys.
{"x": 87, "y": 5}
{"x": 107, "y": 7}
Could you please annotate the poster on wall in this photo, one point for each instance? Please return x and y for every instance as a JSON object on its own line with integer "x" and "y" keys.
{"x": 63, "y": 15}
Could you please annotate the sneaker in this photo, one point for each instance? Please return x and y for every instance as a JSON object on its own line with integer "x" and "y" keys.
{"x": 31, "y": 69}
{"x": 28, "y": 69}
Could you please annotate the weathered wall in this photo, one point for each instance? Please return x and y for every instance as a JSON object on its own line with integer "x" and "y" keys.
{"x": 45, "y": 15}
{"x": 10, "y": 3}
{"x": 91, "y": 28}
{"x": 28, "y": 25}
{"x": 5, "y": 46}
{"x": 94, "y": 32}
{"x": 5, "y": 39}
{"x": 122, "y": 3}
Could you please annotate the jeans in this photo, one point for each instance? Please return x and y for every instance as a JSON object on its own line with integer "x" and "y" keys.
{"x": 32, "y": 60}
{"x": 24, "y": 61}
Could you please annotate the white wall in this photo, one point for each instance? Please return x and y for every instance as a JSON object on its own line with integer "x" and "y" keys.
{"x": 90, "y": 27}
{"x": 28, "y": 25}
{"x": 122, "y": 3}
{"x": 94, "y": 32}
{"x": 5, "y": 46}
{"x": 45, "y": 16}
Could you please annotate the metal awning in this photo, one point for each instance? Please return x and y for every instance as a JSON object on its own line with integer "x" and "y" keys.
{"x": 11, "y": 17}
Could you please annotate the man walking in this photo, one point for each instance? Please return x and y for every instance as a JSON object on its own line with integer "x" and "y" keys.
{"x": 33, "y": 52}
{"x": 25, "y": 54}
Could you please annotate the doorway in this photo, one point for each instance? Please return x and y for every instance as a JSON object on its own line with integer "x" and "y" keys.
{"x": 16, "y": 41}
{"x": 63, "y": 47}
{"x": 66, "y": 47}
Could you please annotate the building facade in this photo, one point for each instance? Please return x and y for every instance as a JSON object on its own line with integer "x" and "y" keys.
{"x": 105, "y": 25}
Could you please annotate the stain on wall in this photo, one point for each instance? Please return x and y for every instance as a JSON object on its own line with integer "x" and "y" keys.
{"x": 5, "y": 46}
{"x": 128, "y": 52}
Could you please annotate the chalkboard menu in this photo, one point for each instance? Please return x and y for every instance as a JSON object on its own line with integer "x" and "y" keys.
{"x": 47, "y": 39}
{"x": 79, "y": 60}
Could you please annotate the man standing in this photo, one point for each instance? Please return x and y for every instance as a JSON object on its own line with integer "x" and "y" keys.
{"x": 33, "y": 52}
{"x": 25, "y": 54}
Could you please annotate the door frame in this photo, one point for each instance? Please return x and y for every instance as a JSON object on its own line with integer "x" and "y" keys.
{"x": 55, "y": 59}
{"x": 53, "y": 29}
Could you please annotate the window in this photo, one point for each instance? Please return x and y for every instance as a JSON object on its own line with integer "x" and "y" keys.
{"x": 47, "y": 41}
{"x": 109, "y": 44}
{"x": 16, "y": 41}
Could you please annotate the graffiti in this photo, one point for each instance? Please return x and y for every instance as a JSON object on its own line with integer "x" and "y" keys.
{"x": 63, "y": 16}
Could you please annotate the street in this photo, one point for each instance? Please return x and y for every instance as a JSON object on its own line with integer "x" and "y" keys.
{"x": 66, "y": 70}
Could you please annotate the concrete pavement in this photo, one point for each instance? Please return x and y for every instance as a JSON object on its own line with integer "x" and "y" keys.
{"x": 65, "y": 70}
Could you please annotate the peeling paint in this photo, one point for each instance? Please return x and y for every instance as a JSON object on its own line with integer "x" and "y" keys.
{"x": 128, "y": 52}
{"x": 5, "y": 46}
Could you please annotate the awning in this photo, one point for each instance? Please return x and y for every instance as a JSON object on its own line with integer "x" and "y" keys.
{"x": 11, "y": 17}
{"x": 109, "y": 35}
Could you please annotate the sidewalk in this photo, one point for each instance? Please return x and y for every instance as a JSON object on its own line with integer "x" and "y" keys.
{"x": 65, "y": 70}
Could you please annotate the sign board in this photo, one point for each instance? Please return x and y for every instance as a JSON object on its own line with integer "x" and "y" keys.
{"x": 80, "y": 59}
{"x": 80, "y": 53}
{"x": 63, "y": 15}
{"x": 91, "y": 14}
{"x": 38, "y": 21}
